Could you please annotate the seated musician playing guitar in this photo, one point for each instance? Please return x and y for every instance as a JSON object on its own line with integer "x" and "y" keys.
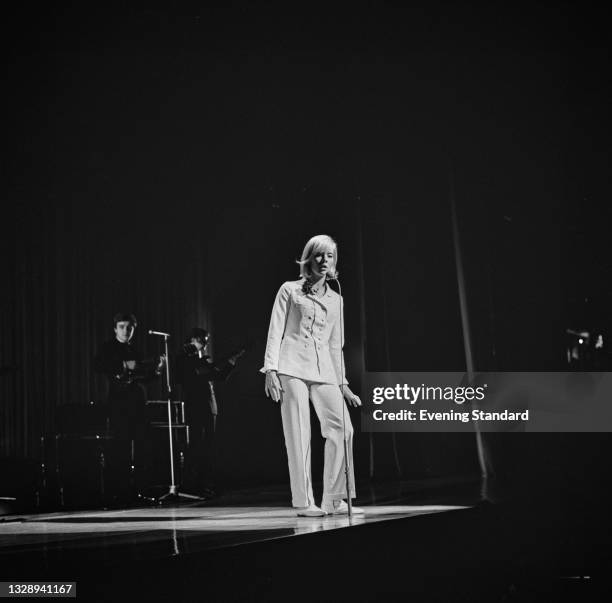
{"x": 127, "y": 372}
{"x": 196, "y": 374}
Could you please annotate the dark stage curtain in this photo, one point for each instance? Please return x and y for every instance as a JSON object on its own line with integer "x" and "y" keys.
{"x": 69, "y": 269}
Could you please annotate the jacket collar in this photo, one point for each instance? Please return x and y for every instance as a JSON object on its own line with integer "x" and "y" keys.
{"x": 326, "y": 300}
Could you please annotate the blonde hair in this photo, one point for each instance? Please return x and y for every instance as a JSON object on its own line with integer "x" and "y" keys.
{"x": 314, "y": 246}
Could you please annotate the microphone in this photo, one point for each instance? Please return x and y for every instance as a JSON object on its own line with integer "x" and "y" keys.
{"x": 160, "y": 333}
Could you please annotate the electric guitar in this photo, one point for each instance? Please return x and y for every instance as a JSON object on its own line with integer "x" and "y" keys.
{"x": 140, "y": 370}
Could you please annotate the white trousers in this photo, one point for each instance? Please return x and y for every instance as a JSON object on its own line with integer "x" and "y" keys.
{"x": 295, "y": 411}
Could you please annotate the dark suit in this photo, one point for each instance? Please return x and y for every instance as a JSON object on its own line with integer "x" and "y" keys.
{"x": 126, "y": 393}
{"x": 197, "y": 377}
{"x": 126, "y": 402}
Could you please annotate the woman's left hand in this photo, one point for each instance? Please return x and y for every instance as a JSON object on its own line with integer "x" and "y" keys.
{"x": 351, "y": 398}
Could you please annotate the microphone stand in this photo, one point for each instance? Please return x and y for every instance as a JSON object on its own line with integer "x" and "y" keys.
{"x": 173, "y": 495}
{"x": 346, "y": 454}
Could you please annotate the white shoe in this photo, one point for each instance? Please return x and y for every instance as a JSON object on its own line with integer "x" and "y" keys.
{"x": 339, "y": 507}
{"x": 311, "y": 511}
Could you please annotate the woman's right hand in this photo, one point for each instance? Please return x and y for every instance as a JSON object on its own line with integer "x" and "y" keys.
{"x": 273, "y": 386}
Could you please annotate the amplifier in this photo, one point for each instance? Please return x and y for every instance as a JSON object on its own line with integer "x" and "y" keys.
{"x": 157, "y": 411}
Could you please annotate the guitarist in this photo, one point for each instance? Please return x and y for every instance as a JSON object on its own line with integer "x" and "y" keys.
{"x": 126, "y": 372}
{"x": 197, "y": 374}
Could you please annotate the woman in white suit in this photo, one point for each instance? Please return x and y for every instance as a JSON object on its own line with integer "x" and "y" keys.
{"x": 304, "y": 361}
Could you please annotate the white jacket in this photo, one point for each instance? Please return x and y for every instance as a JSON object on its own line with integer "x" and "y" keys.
{"x": 304, "y": 338}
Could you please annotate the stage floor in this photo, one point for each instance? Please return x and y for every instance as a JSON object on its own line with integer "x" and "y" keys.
{"x": 162, "y": 531}
{"x": 181, "y": 529}
{"x": 434, "y": 540}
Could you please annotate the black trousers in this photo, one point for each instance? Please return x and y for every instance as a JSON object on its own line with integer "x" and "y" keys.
{"x": 133, "y": 439}
{"x": 200, "y": 454}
